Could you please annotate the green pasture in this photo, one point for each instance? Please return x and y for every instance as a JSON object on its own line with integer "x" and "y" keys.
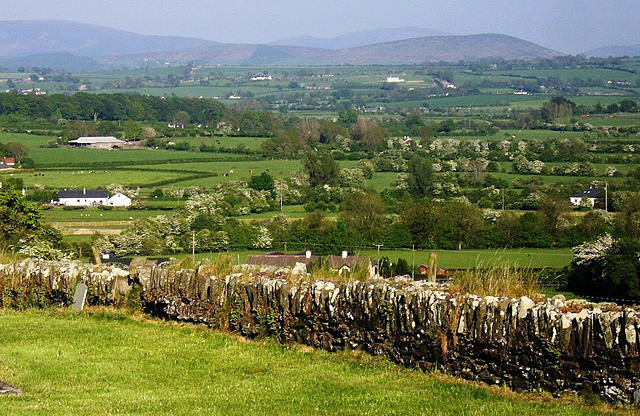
{"x": 106, "y": 362}
{"x": 468, "y": 259}
{"x": 251, "y": 143}
{"x": 91, "y": 179}
{"x": 599, "y": 74}
{"x": 64, "y": 155}
{"x": 90, "y": 214}
{"x": 609, "y": 120}
{"x": 451, "y": 259}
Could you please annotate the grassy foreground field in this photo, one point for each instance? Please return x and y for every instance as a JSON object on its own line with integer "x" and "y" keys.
{"x": 104, "y": 362}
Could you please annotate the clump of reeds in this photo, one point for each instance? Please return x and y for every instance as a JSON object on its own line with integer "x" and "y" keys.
{"x": 321, "y": 271}
{"x": 220, "y": 265}
{"x": 497, "y": 280}
{"x": 7, "y": 256}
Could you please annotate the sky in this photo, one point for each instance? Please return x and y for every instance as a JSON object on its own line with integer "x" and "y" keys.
{"x": 569, "y": 26}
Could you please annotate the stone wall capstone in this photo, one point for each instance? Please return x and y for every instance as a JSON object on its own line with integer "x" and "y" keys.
{"x": 513, "y": 342}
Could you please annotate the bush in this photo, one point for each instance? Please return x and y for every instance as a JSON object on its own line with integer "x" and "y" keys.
{"x": 27, "y": 163}
{"x": 402, "y": 268}
{"x": 606, "y": 268}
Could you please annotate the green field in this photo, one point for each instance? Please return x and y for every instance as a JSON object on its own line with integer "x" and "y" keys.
{"x": 68, "y": 156}
{"x": 102, "y": 362}
{"x": 452, "y": 259}
{"x": 98, "y": 215}
{"x": 92, "y": 179}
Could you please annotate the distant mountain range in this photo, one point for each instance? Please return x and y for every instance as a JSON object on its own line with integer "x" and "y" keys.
{"x": 36, "y": 37}
{"x": 616, "y": 50}
{"x": 362, "y": 38}
{"x": 408, "y": 51}
{"x": 82, "y": 47}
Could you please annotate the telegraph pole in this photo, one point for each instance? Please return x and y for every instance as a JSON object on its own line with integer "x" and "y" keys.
{"x": 378, "y": 245}
{"x": 606, "y": 197}
{"x": 281, "y": 196}
{"x": 413, "y": 262}
{"x": 193, "y": 248}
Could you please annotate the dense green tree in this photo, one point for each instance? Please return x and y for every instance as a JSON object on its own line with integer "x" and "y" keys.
{"x": 321, "y": 168}
{"x": 508, "y": 228}
{"x": 182, "y": 117}
{"x": 420, "y": 179}
{"x": 401, "y": 268}
{"x": 397, "y": 235}
{"x": 606, "y": 269}
{"x": 627, "y": 105}
{"x": 262, "y": 182}
{"x": 628, "y": 217}
{"x": 21, "y": 220}
{"x": 17, "y": 150}
{"x": 552, "y": 211}
{"x": 348, "y": 117}
{"x": 532, "y": 233}
{"x": 131, "y": 130}
{"x": 364, "y": 213}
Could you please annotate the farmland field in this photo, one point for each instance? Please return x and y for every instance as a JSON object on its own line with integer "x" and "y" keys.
{"x": 454, "y": 259}
{"x": 91, "y": 179}
{"x": 107, "y": 362}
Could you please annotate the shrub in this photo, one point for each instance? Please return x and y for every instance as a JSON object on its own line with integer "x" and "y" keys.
{"x": 402, "y": 268}
{"x": 606, "y": 268}
{"x": 497, "y": 281}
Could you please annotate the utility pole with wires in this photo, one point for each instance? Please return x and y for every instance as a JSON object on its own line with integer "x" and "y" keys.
{"x": 606, "y": 197}
{"x": 378, "y": 246}
{"x": 193, "y": 248}
{"x": 413, "y": 261}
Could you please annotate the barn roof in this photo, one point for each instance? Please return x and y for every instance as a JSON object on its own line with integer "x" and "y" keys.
{"x": 96, "y": 140}
{"x": 589, "y": 193}
{"x": 80, "y": 193}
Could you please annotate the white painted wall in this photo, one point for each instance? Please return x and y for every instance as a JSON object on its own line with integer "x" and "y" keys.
{"x": 119, "y": 200}
{"x": 76, "y": 202}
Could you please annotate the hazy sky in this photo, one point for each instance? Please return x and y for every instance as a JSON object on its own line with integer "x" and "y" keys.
{"x": 566, "y": 25}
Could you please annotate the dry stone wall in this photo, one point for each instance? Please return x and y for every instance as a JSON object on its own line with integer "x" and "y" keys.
{"x": 515, "y": 342}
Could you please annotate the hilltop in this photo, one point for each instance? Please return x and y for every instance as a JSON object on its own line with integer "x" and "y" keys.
{"x": 37, "y": 37}
{"x": 83, "y": 47}
{"x": 616, "y": 50}
{"x": 360, "y": 38}
{"x": 408, "y": 51}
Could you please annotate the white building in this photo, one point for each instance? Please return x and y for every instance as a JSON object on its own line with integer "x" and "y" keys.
{"x": 88, "y": 197}
{"x": 590, "y": 194}
{"x": 98, "y": 142}
{"x": 394, "y": 80}
{"x": 84, "y": 197}
{"x": 119, "y": 200}
{"x": 261, "y": 77}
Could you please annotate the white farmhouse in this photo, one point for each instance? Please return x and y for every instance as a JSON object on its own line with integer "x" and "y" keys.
{"x": 84, "y": 197}
{"x": 89, "y": 197}
{"x": 591, "y": 194}
{"x": 395, "y": 80}
{"x": 119, "y": 200}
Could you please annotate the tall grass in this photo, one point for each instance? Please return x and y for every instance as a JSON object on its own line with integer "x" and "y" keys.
{"x": 503, "y": 280}
{"x": 220, "y": 265}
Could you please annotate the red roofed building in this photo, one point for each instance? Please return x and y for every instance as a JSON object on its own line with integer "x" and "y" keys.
{"x": 9, "y": 160}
